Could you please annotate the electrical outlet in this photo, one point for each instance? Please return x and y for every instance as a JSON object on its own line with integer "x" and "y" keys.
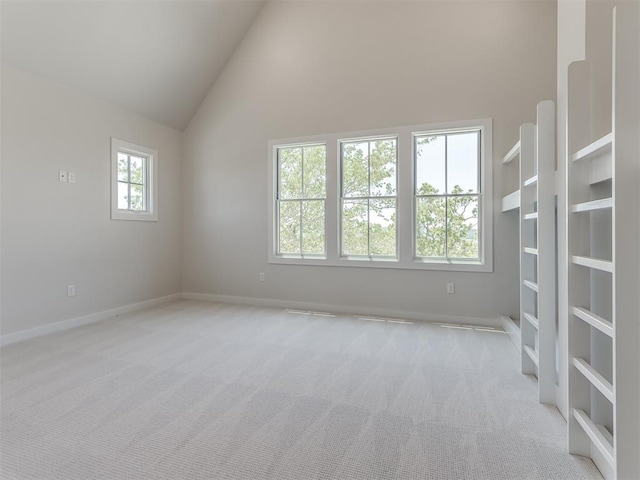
{"x": 71, "y": 290}
{"x": 451, "y": 288}
{"x": 72, "y": 177}
{"x": 62, "y": 175}
{"x": 262, "y": 276}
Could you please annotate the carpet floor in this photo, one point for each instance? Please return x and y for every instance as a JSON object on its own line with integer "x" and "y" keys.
{"x": 196, "y": 390}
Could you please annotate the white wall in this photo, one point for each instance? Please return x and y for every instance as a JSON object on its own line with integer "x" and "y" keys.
{"x": 318, "y": 67}
{"x": 55, "y": 234}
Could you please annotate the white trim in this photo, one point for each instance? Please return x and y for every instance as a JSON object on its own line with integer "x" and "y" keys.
{"x": 151, "y": 214}
{"x": 29, "y": 334}
{"x": 84, "y": 320}
{"x": 509, "y": 326}
{"x": 404, "y": 198}
{"x": 347, "y": 309}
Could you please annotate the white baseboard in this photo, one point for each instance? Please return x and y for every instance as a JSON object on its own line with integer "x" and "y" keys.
{"x": 509, "y": 326}
{"x": 84, "y": 320}
{"x": 348, "y": 309}
{"x": 261, "y": 302}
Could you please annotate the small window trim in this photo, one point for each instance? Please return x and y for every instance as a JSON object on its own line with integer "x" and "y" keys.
{"x": 405, "y": 178}
{"x": 151, "y": 214}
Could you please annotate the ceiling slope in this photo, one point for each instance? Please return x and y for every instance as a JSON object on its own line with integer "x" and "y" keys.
{"x": 156, "y": 58}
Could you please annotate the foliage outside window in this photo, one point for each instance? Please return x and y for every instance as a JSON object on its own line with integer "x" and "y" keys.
{"x": 447, "y": 191}
{"x": 415, "y": 197}
{"x": 369, "y": 198}
{"x": 133, "y": 182}
{"x": 301, "y": 200}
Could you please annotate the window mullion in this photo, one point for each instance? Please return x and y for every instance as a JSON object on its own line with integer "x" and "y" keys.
{"x": 129, "y": 182}
{"x": 369, "y": 198}
{"x": 369, "y": 227}
{"x": 446, "y": 197}
{"x": 302, "y": 193}
{"x": 300, "y": 209}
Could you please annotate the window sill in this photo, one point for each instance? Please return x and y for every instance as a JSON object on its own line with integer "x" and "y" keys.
{"x": 366, "y": 262}
{"x": 140, "y": 217}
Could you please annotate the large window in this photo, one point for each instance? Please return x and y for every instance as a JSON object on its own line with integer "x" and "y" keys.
{"x": 301, "y": 200}
{"x": 416, "y": 197}
{"x": 369, "y": 197}
{"x": 447, "y": 193}
{"x": 133, "y": 182}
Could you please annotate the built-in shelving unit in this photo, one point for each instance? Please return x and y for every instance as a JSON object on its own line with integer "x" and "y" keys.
{"x": 535, "y": 202}
{"x": 603, "y": 204}
{"x": 511, "y": 201}
{"x": 537, "y": 251}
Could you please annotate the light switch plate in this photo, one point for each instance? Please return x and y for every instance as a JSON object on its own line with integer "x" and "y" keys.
{"x": 62, "y": 175}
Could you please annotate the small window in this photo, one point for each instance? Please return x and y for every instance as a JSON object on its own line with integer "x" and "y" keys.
{"x": 300, "y": 201}
{"x": 368, "y": 198}
{"x": 133, "y": 182}
{"x": 447, "y": 195}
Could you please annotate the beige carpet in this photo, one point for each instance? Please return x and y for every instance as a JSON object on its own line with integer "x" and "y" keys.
{"x": 202, "y": 390}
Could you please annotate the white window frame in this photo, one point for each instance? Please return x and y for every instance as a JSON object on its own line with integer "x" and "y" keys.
{"x": 278, "y": 200}
{"x": 444, "y": 195}
{"x": 151, "y": 183}
{"x": 369, "y": 257}
{"x": 405, "y": 178}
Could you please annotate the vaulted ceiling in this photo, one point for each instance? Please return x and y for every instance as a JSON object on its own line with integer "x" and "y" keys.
{"x": 156, "y": 58}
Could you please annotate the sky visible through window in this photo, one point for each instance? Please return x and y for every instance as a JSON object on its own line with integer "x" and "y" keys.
{"x": 461, "y": 153}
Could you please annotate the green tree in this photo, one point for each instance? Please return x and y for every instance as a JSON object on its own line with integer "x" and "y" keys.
{"x": 131, "y": 178}
{"x": 445, "y": 225}
{"x": 301, "y": 193}
{"x": 368, "y": 222}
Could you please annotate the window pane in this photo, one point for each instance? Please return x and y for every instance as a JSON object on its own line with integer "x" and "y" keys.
{"x": 462, "y": 163}
{"x": 123, "y": 167}
{"x": 430, "y": 227}
{"x": 355, "y": 169}
{"x": 314, "y": 171}
{"x": 382, "y": 227}
{"x": 462, "y": 227}
{"x": 137, "y": 170}
{"x": 355, "y": 228}
{"x": 383, "y": 167}
{"x": 123, "y": 196}
{"x": 290, "y": 172}
{"x": 430, "y": 165}
{"x": 313, "y": 227}
{"x": 137, "y": 198}
{"x": 289, "y": 227}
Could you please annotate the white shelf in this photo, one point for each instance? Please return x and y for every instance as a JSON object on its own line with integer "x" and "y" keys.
{"x": 532, "y": 285}
{"x": 531, "y": 181}
{"x": 594, "y": 377}
{"x": 531, "y": 216}
{"x": 513, "y": 153}
{"x": 594, "y": 432}
{"x": 530, "y": 251}
{"x": 604, "y": 426}
{"x": 511, "y": 201}
{"x": 592, "y": 205}
{"x": 593, "y": 150}
{"x": 594, "y": 320}
{"x": 595, "y": 263}
{"x": 531, "y": 319}
{"x": 532, "y": 354}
